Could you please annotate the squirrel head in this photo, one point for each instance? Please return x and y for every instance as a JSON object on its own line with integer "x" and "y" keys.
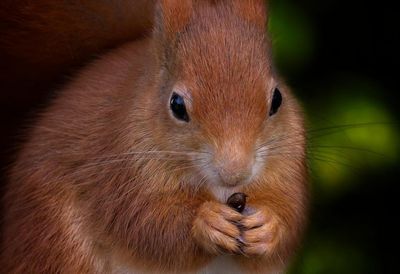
{"x": 222, "y": 101}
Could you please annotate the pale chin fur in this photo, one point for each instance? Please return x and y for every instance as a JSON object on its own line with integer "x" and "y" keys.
{"x": 222, "y": 193}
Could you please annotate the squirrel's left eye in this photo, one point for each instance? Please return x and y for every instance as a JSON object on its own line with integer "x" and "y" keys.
{"x": 178, "y": 108}
{"x": 276, "y": 102}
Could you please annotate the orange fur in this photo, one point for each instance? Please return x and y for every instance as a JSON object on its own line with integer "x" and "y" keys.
{"x": 110, "y": 180}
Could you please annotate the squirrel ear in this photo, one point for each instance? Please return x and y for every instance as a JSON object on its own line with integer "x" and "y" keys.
{"x": 252, "y": 10}
{"x": 173, "y": 15}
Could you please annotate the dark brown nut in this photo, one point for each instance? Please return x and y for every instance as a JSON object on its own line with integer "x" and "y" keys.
{"x": 237, "y": 201}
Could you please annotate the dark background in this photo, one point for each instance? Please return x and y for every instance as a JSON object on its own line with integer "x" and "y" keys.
{"x": 343, "y": 64}
{"x": 341, "y": 58}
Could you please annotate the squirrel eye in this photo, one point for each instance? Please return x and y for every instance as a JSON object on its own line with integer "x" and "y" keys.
{"x": 276, "y": 102}
{"x": 178, "y": 107}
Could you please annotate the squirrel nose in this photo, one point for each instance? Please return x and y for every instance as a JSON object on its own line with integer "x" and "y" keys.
{"x": 234, "y": 177}
{"x": 234, "y": 170}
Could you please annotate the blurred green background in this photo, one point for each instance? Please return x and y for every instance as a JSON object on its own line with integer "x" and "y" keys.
{"x": 340, "y": 60}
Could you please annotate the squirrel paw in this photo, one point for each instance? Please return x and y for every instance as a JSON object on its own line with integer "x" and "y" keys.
{"x": 216, "y": 230}
{"x": 260, "y": 234}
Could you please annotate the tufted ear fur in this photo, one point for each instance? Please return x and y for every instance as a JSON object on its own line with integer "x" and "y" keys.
{"x": 252, "y": 10}
{"x": 174, "y": 15}
{"x": 171, "y": 18}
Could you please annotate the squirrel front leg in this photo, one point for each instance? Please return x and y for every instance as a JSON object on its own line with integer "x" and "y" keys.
{"x": 215, "y": 228}
{"x": 262, "y": 240}
{"x": 270, "y": 235}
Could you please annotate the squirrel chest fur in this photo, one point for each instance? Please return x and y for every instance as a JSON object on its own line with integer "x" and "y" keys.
{"x": 129, "y": 169}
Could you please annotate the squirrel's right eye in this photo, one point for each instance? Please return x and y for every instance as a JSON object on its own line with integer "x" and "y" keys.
{"x": 178, "y": 107}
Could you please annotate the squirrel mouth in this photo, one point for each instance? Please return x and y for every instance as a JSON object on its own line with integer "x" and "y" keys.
{"x": 222, "y": 193}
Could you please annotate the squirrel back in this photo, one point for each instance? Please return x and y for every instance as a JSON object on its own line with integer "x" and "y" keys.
{"x": 44, "y": 41}
{"x": 51, "y": 35}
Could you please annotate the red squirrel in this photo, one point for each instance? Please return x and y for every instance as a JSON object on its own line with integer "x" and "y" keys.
{"x": 130, "y": 167}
